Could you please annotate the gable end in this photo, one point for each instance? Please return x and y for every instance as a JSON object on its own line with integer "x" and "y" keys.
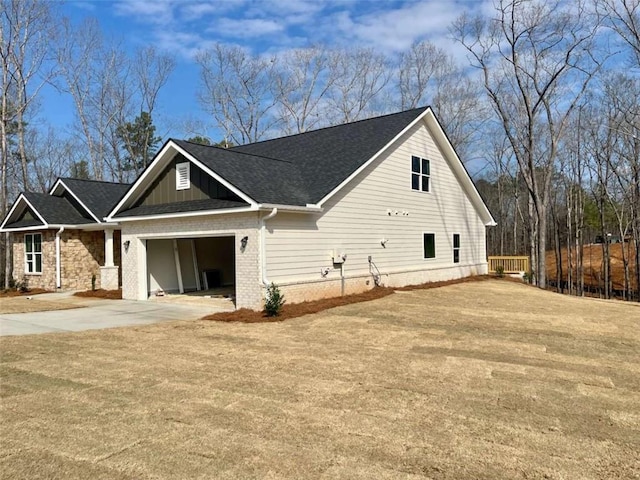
{"x": 163, "y": 190}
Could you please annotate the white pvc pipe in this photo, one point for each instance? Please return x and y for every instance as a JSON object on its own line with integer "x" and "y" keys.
{"x": 263, "y": 245}
{"x": 58, "y": 270}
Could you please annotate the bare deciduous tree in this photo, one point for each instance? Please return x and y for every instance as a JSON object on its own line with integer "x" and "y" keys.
{"x": 303, "y": 83}
{"x": 27, "y": 29}
{"x": 360, "y": 76}
{"x": 237, "y": 90}
{"x": 535, "y": 61}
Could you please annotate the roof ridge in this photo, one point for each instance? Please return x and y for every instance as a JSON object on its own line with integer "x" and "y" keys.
{"x": 94, "y": 181}
{"x": 329, "y": 127}
{"x": 236, "y": 151}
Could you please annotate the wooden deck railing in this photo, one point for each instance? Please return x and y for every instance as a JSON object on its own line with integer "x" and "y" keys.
{"x": 509, "y": 264}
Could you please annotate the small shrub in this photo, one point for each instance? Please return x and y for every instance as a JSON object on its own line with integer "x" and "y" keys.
{"x": 273, "y": 301}
{"x": 500, "y": 271}
{"x": 93, "y": 282}
{"x": 21, "y": 286}
{"x": 528, "y": 277}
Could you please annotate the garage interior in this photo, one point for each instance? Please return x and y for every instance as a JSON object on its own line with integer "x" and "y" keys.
{"x": 203, "y": 266}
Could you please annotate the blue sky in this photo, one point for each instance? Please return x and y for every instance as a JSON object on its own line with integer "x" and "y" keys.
{"x": 182, "y": 27}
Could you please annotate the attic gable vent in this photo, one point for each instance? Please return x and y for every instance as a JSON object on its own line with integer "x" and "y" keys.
{"x": 183, "y": 181}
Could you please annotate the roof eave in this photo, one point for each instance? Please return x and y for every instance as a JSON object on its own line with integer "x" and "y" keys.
{"x": 162, "y": 216}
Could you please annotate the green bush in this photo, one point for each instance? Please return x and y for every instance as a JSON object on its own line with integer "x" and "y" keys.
{"x": 273, "y": 301}
{"x": 93, "y": 282}
{"x": 500, "y": 271}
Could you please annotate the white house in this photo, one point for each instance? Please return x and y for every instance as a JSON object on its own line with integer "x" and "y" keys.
{"x": 382, "y": 201}
{"x": 332, "y": 211}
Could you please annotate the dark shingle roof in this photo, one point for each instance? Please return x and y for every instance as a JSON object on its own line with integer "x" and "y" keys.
{"x": 99, "y": 197}
{"x": 55, "y": 210}
{"x": 325, "y": 158}
{"x": 24, "y": 223}
{"x": 177, "y": 207}
{"x": 303, "y": 168}
{"x": 265, "y": 180}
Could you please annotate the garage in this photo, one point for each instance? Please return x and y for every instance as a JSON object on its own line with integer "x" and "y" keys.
{"x": 201, "y": 264}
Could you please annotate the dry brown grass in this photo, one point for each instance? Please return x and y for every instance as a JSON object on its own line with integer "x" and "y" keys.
{"x": 488, "y": 379}
{"x": 294, "y": 310}
{"x": 100, "y": 293}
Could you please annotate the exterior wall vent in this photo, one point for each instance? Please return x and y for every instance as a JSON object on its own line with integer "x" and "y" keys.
{"x": 183, "y": 180}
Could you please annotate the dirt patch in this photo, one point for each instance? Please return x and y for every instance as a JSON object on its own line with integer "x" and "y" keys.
{"x": 483, "y": 379}
{"x": 294, "y": 310}
{"x": 592, "y": 259}
{"x": 100, "y": 293}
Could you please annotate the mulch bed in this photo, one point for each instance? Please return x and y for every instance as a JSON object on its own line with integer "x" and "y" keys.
{"x": 293, "y": 310}
{"x": 19, "y": 293}
{"x": 100, "y": 293}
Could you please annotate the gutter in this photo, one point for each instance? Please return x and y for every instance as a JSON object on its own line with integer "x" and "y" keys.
{"x": 263, "y": 245}
{"x": 58, "y": 269}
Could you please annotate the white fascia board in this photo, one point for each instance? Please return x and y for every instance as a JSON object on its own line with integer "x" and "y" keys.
{"x": 461, "y": 172}
{"x": 309, "y": 208}
{"x": 161, "y": 159}
{"x": 58, "y": 183}
{"x": 21, "y": 197}
{"x": 160, "y": 156}
{"x": 25, "y": 229}
{"x": 372, "y": 159}
{"x": 49, "y": 226}
{"x": 162, "y": 216}
{"x": 63, "y": 185}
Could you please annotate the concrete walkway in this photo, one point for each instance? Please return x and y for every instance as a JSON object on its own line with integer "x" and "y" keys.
{"x": 98, "y": 314}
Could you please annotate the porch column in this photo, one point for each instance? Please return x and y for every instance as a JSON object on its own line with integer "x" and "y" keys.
{"x": 109, "y": 272}
{"x": 108, "y": 247}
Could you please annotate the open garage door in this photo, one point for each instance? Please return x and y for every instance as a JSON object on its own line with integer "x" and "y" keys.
{"x": 182, "y": 265}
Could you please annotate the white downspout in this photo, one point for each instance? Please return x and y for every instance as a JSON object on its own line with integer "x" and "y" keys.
{"x": 58, "y": 271}
{"x": 263, "y": 245}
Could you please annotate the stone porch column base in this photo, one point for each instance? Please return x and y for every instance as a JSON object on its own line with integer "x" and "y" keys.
{"x": 109, "y": 278}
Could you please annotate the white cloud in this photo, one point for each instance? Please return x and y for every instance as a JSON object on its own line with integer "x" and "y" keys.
{"x": 151, "y": 11}
{"x": 245, "y": 27}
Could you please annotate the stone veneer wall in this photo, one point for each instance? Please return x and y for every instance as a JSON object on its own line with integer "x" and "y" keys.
{"x": 46, "y": 279}
{"x": 82, "y": 254}
{"x": 249, "y": 290}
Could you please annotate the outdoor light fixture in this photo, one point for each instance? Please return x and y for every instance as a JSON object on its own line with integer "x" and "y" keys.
{"x": 126, "y": 245}
{"x": 243, "y": 243}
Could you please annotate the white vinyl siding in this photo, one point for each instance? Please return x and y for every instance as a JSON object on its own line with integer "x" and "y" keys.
{"x": 377, "y": 205}
{"x": 183, "y": 177}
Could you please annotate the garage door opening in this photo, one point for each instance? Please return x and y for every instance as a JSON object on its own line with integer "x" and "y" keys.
{"x": 194, "y": 266}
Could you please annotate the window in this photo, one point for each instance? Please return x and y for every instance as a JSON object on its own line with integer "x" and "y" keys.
{"x": 33, "y": 253}
{"x": 182, "y": 176}
{"x": 429, "y": 245}
{"x": 420, "y": 174}
{"x": 456, "y": 248}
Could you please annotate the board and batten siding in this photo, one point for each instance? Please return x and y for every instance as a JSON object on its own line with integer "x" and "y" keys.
{"x": 380, "y": 204}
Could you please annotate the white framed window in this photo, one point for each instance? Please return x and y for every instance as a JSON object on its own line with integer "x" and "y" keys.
{"x": 420, "y": 174}
{"x": 33, "y": 253}
{"x": 183, "y": 176}
{"x": 456, "y": 248}
{"x": 429, "y": 245}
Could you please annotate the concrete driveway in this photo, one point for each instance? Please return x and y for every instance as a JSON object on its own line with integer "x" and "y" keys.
{"x": 98, "y": 314}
